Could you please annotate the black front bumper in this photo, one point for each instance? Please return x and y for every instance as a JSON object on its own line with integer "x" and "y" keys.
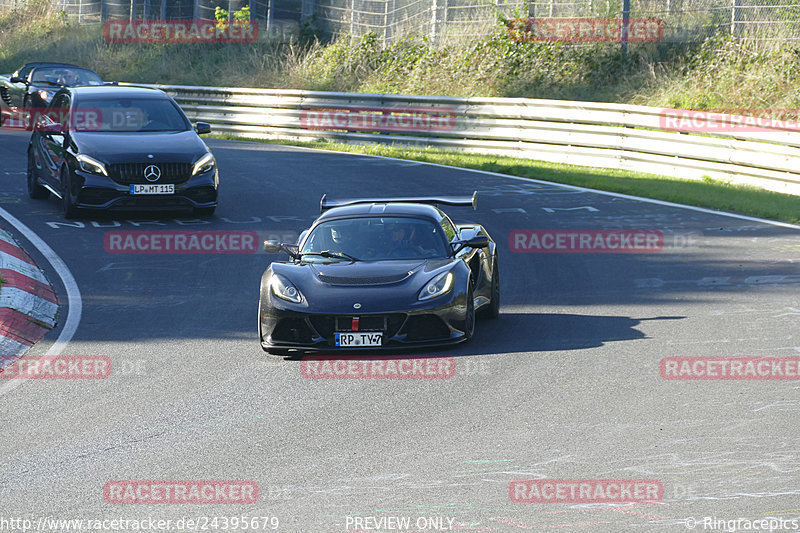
{"x": 104, "y": 194}
{"x": 284, "y": 329}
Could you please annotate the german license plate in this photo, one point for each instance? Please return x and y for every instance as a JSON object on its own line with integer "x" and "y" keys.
{"x": 153, "y": 188}
{"x": 358, "y": 339}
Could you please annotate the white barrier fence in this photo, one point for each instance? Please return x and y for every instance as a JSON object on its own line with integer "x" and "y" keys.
{"x": 765, "y": 154}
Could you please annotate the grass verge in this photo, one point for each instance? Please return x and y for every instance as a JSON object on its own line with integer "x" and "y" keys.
{"x": 708, "y": 193}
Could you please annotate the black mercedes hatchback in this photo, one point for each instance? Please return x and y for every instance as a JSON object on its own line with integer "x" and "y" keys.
{"x": 121, "y": 148}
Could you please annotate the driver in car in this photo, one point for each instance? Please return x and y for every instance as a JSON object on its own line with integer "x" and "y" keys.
{"x": 401, "y": 241}
{"x": 68, "y": 78}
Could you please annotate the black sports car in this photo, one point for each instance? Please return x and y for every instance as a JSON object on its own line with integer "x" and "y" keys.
{"x": 379, "y": 273}
{"x": 42, "y": 82}
{"x": 110, "y": 147}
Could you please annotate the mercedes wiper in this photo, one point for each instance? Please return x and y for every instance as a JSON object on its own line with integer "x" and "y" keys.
{"x": 332, "y": 254}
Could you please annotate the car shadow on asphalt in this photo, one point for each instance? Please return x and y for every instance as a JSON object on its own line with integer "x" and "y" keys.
{"x": 537, "y": 332}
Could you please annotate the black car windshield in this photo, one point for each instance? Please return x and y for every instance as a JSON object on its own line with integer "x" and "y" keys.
{"x": 127, "y": 115}
{"x": 376, "y": 239}
{"x": 69, "y": 77}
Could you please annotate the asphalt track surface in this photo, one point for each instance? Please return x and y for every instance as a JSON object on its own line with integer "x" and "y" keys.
{"x": 564, "y": 385}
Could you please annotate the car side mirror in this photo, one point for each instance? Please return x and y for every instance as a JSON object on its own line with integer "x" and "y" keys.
{"x": 275, "y": 247}
{"x": 18, "y": 79}
{"x": 478, "y": 241}
{"x": 50, "y": 127}
{"x": 202, "y": 128}
{"x": 272, "y": 247}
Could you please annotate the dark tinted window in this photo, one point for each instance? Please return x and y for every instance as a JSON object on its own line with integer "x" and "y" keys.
{"x": 130, "y": 114}
{"x": 67, "y": 76}
{"x": 378, "y": 238}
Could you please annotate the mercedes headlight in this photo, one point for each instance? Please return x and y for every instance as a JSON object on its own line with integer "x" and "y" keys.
{"x": 45, "y": 95}
{"x": 285, "y": 289}
{"x": 91, "y": 165}
{"x": 204, "y": 164}
{"x": 439, "y": 285}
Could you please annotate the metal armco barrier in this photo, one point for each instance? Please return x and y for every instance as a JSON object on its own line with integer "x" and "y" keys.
{"x": 582, "y": 133}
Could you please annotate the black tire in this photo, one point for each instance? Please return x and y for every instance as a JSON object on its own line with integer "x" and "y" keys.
{"x": 35, "y": 191}
{"x": 205, "y": 212}
{"x": 28, "y": 121}
{"x": 469, "y": 319}
{"x": 67, "y": 205}
{"x": 277, "y": 352}
{"x": 493, "y": 309}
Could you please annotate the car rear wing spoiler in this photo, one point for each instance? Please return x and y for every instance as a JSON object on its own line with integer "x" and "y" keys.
{"x": 462, "y": 201}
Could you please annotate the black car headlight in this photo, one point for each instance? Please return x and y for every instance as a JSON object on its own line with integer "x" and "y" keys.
{"x": 91, "y": 165}
{"x": 45, "y": 95}
{"x": 204, "y": 164}
{"x": 285, "y": 289}
{"x": 439, "y": 285}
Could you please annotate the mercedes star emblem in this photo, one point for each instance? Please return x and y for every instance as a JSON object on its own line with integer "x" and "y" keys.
{"x": 152, "y": 173}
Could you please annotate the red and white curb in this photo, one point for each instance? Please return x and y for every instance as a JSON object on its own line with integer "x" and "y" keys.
{"x": 28, "y": 304}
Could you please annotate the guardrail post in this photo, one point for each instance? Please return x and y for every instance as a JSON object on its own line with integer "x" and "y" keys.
{"x": 736, "y": 16}
{"x": 352, "y": 18}
{"x": 270, "y": 13}
{"x": 438, "y": 19}
{"x": 626, "y": 15}
{"x": 385, "y": 22}
{"x": 307, "y": 9}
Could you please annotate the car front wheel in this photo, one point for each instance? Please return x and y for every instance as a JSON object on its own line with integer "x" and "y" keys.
{"x": 493, "y": 309}
{"x": 35, "y": 191}
{"x": 67, "y": 205}
{"x": 469, "y": 318}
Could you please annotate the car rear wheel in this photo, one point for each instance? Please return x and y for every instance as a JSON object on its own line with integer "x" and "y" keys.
{"x": 67, "y": 205}
{"x": 493, "y": 309}
{"x": 35, "y": 191}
